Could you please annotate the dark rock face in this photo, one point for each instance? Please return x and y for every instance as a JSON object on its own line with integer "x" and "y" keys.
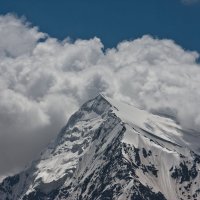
{"x": 7, "y": 185}
{"x": 185, "y": 174}
{"x": 37, "y": 195}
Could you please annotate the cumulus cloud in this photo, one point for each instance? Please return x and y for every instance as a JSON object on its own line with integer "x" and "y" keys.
{"x": 15, "y": 33}
{"x": 42, "y": 82}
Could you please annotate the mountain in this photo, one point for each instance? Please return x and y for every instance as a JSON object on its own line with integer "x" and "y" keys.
{"x": 111, "y": 150}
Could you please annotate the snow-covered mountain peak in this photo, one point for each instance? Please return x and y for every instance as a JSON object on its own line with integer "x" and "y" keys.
{"x": 157, "y": 127}
{"x": 111, "y": 150}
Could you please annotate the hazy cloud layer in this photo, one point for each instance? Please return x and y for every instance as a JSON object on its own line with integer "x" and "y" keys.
{"x": 42, "y": 82}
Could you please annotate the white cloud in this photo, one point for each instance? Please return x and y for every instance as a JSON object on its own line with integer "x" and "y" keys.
{"x": 16, "y": 33}
{"x": 43, "y": 82}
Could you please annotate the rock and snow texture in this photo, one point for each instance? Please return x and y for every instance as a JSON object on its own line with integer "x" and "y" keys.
{"x": 110, "y": 150}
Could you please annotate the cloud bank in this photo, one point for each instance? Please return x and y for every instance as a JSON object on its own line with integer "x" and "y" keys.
{"x": 44, "y": 80}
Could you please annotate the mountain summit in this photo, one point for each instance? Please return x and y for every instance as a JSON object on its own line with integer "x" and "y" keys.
{"x": 111, "y": 150}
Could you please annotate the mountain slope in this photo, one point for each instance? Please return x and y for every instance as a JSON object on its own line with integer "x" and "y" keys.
{"x": 110, "y": 150}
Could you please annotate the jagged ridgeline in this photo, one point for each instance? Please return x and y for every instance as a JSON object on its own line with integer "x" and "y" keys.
{"x": 111, "y": 150}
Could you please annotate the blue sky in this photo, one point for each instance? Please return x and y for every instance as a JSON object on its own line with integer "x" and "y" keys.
{"x": 114, "y": 20}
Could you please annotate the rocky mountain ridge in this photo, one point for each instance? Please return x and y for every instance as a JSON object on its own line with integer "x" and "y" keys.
{"x": 111, "y": 150}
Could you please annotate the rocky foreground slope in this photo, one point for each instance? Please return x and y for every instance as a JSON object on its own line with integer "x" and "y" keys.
{"x": 110, "y": 150}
